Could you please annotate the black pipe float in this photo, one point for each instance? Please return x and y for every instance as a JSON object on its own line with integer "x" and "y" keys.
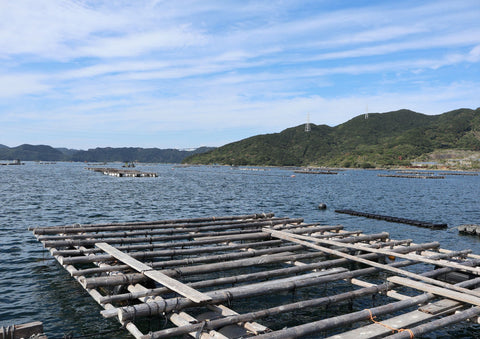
{"x": 394, "y": 219}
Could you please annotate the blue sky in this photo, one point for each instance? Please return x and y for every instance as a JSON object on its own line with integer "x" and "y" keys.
{"x": 181, "y": 74}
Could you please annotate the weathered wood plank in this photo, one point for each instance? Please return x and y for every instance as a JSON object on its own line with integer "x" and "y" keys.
{"x": 159, "y": 277}
{"x": 444, "y": 292}
{"x": 293, "y": 237}
{"x": 380, "y": 251}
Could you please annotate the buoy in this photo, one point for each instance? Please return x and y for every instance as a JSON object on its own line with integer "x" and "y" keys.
{"x": 292, "y": 176}
{"x": 322, "y": 206}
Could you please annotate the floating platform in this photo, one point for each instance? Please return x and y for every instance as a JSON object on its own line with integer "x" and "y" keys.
{"x": 469, "y": 229}
{"x": 252, "y": 275}
{"x": 411, "y": 176}
{"x": 394, "y": 219}
{"x": 314, "y": 172}
{"x": 115, "y": 172}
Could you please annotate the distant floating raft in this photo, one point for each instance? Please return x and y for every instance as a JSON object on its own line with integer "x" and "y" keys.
{"x": 460, "y": 173}
{"x": 193, "y": 272}
{"x": 411, "y": 176}
{"x": 115, "y": 172}
{"x": 470, "y": 229}
{"x": 314, "y": 172}
{"x": 394, "y": 219}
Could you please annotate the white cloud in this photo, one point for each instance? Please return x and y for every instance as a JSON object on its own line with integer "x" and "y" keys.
{"x": 181, "y": 66}
{"x": 15, "y": 85}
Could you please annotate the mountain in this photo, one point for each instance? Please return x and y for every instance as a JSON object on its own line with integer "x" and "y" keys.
{"x": 48, "y": 153}
{"x": 67, "y": 151}
{"x": 135, "y": 154}
{"x": 382, "y": 139}
{"x": 31, "y": 152}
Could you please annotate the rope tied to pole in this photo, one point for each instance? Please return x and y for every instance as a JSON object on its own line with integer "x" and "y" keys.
{"x": 393, "y": 329}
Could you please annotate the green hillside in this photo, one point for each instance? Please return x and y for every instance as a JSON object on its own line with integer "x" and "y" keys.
{"x": 384, "y": 139}
{"x": 47, "y": 153}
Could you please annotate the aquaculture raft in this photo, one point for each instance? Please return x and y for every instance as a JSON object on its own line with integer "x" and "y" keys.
{"x": 198, "y": 273}
{"x": 115, "y": 172}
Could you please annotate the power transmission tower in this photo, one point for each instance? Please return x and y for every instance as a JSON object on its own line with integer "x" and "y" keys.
{"x": 307, "y": 125}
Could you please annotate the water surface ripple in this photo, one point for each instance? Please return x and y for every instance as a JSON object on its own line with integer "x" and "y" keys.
{"x": 35, "y": 287}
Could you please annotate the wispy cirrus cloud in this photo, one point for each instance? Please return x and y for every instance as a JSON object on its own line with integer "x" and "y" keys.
{"x": 225, "y": 69}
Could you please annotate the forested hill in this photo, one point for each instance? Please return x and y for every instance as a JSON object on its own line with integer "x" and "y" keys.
{"x": 47, "y": 153}
{"x": 383, "y": 139}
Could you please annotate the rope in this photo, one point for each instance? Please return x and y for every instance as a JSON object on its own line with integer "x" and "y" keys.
{"x": 393, "y": 329}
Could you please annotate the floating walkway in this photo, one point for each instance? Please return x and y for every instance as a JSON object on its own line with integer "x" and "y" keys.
{"x": 394, "y": 219}
{"x": 115, "y": 172}
{"x": 251, "y": 275}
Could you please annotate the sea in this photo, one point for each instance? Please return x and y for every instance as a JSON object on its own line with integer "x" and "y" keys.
{"x": 34, "y": 287}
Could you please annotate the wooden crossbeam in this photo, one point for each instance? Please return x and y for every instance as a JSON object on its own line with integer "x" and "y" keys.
{"x": 293, "y": 238}
{"x": 414, "y": 257}
{"x": 174, "y": 285}
{"x": 444, "y": 292}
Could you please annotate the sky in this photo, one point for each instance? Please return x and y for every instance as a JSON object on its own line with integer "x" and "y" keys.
{"x": 185, "y": 74}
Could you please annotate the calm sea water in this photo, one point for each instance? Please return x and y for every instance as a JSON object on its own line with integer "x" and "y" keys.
{"x": 35, "y": 287}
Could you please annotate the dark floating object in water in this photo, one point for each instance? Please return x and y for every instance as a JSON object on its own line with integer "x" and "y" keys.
{"x": 394, "y": 219}
{"x": 322, "y": 206}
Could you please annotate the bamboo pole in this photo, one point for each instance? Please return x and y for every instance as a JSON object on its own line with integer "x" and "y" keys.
{"x": 287, "y": 236}
{"x": 151, "y": 247}
{"x": 83, "y": 259}
{"x": 437, "y": 324}
{"x": 148, "y": 271}
{"x": 339, "y": 321}
{"x": 286, "y": 284}
{"x": 269, "y": 274}
{"x": 195, "y": 260}
{"x": 135, "y": 277}
{"x": 44, "y": 230}
{"x": 255, "y": 315}
{"x": 130, "y": 326}
{"x": 444, "y": 292}
{"x": 129, "y": 240}
{"x": 182, "y": 228}
{"x": 419, "y": 258}
{"x": 217, "y": 323}
{"x": 266, "y": 287}
{"x": 213, "y": 240}
{"x": 190, "y": 270}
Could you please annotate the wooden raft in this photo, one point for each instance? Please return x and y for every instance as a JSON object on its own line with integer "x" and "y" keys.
{"x": 115, "y": 172}
{"x": 219, "y": 277}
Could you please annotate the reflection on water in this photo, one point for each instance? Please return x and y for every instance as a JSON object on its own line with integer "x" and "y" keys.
{"x": 34, "y": 287}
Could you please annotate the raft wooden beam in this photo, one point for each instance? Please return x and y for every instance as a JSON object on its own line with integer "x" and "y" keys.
{"x": 282, "y": 235}
{"x": 151, "y": 224}
{"x": 159, "y": 277}
{"x": 31, "y": 329}
{"x": 394, "y": 219}
{"x": 444, "y": 292}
